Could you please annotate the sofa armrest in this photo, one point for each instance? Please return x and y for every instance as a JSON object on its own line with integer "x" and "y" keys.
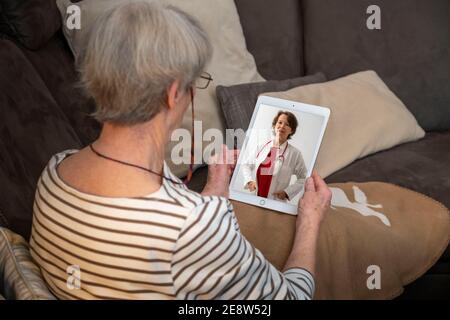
{"x": 20, "y": 277}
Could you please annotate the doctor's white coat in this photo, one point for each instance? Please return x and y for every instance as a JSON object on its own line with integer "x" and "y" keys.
{"x": 293, "y": 164}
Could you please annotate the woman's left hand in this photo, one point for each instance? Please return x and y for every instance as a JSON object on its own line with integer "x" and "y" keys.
{"x": 281, "y": 195}
{"x": 220, "y": 168}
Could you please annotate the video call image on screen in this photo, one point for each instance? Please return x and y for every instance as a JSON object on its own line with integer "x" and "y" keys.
{"x": 276, "y": 159}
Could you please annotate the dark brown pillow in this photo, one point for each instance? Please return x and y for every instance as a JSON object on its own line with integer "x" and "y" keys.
{"x": 237, "y": 102}
{"x": 30, "y": 22}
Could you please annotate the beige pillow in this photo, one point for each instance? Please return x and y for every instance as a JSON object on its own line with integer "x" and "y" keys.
{"x": 231, "y": 62}
{"x": 366, "y": 117}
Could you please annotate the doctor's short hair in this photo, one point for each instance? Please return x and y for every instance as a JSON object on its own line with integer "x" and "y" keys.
{"x": 292, "y": 121}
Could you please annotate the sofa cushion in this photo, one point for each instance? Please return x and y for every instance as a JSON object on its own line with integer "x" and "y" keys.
{"x": 370, "y": 224}
{"x": 422, "y": 166}
{"x": 3, "y": 220}
{"x": 32, "y": 129}
{"x": 365, "y": 117}
{"x": 238, "y": 102}
{"x": 31, "y": 22}
{"x": 410, "y": 52}
{"x": 20, "y": 277}
{"x": 63, "y": 84}
{"x": 273, "y": 33}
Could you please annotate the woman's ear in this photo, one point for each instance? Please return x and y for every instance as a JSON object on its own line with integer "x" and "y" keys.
{"x": 173, "y": 94}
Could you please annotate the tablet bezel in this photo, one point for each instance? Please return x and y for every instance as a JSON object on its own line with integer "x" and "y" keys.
{"x": 285, "y": 105}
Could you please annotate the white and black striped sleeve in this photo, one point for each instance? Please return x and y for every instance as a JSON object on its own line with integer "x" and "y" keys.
{"x": 213, "y": 260}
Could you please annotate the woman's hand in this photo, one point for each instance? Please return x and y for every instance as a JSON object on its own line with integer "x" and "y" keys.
{"x": 315, "y": 201}
{"x": 251, "y": 185}
{"x": 220, "y": 168}
{"x": 311, "y": 211}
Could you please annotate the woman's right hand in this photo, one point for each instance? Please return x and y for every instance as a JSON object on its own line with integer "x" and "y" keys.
{"x": 315, "y": 201}
{"x": 251, "y": 185}
{"x": 311, "y": 211}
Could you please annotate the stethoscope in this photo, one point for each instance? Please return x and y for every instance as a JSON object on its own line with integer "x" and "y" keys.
{"x": 280, "y": 159}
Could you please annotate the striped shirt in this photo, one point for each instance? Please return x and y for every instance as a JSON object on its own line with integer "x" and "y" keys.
{"x": 171, "y": 244}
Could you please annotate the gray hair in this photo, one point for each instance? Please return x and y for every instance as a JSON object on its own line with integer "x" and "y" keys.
{"x": 134, "y": 53}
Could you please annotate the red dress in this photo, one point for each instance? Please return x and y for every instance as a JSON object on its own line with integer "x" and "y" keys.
{"x": 265, "y": 172}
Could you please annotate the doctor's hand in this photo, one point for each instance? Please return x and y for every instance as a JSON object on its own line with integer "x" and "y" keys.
{"x": 251, "y": 185}
{"x": 220, "y": 168}
{"x": 282, "y": 195}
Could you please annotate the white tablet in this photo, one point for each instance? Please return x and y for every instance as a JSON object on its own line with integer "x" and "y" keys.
{"x": 278, "y": 153}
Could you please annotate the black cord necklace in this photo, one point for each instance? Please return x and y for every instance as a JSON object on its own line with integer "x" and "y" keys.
{"x": 133, "y": 165}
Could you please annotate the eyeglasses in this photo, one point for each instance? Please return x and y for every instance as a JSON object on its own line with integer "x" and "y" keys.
{"x": 203, "y": 81}
{"x": 191, "y": 164}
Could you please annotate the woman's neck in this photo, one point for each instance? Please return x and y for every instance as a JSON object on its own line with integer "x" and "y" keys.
{"x": 142, "y": 144}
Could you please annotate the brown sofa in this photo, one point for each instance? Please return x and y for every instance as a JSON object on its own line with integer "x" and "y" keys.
{"x": 42, "y": 111}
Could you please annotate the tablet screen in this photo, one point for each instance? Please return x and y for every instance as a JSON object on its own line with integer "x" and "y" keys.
{"x": 279, "y": 152}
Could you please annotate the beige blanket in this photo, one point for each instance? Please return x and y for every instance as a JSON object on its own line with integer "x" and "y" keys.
{"x": 376, "y": 238}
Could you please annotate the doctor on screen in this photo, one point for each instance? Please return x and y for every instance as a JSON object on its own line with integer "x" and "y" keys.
{"x": 268, "y": 171}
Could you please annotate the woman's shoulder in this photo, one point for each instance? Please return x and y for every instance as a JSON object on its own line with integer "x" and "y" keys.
{"x": 60, "y": 156}
{"x": 55, "y": 160}
{"x": 212, "y": 205}
{"x": 211, "y": 214}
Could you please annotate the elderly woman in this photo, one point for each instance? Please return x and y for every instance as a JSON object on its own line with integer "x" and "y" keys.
{"x": 112, "y": 222}
{"x": 269, "y": 170}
